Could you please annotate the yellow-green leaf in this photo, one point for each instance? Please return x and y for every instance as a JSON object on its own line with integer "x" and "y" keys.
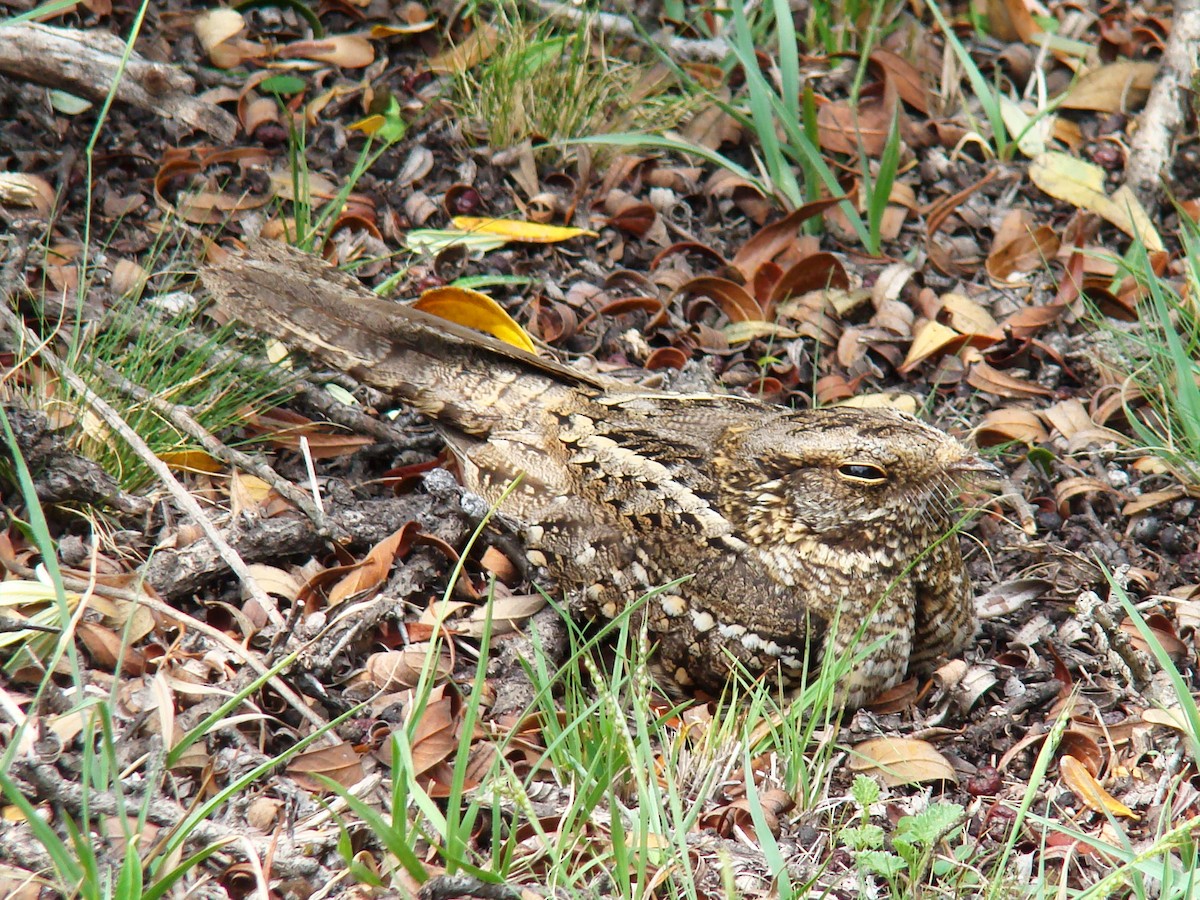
{"x": 435, "y": 240}
{"x": 1081, "y": 184}
{"x": 474, "y": 310}
{"x": 515, "y": 230}
{"x": 739, "y": 332}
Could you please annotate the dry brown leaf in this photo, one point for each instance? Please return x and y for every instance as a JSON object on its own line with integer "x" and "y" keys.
{"x": 275, "y": 580}
{"x": 1082, "y": 747}
{"x": 248, "y": 493}
{"x": 1163, "y": 632}
{"x": 931, "y": 339}
{"x": 285, "y": 429}
{"x": 1029, "y": 320}
{"x": 896, "y": 699}
{"x": 1010, "y": 596}
{"x": 711, "y": 127}
{"x": 735, "y": 301}
{"x": 737, "y": 817}
{"x": 771, "y": 241}
{"x": 1120, "y": 86}
{"x": 985, "y": 377}
{"x": 1172, "y": 717}
{"x": 1078, "y": 486}
{"x": 104, "y": 646}
{"x": 815, "y": 272}
{"x": 26, "y": 192}
{"x": 254, "y": 112}
{"x": 346, "y": 50}
{"x": 394, "y": 670}
{"x": 1068, "y": 417}
{"x": 478, "y": 46}
{"x": 898, "y": 760}
{"x": 215, "y": 26}
{"x": 1152, "y": 499}
{"x": 374, "y": 569}
{"x": 904, "y": 77}
{"x": 740, "y": 332}
{"x": 965, "y": 316}
{"x": 1009, "y": 424}
{"x": 339, "y": 762}
{"x": 508, "y": 614}
{"x": 21, "y": 884}
{"x": 843, "y": 129}
{"x": 1002, "y": 18}
{"x": 218, "y": 31}
{"x": 434, "y": 737}
{"x": 1020, "y": 248}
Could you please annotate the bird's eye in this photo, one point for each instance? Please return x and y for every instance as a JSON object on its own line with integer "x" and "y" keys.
{"x": 862, "y": 473}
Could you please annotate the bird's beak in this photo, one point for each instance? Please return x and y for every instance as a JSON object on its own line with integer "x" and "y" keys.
{"x": 978, "y": 467}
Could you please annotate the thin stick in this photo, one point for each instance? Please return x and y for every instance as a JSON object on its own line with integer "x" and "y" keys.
{"x": 80, "y": 585}
{"x": 186, "y": 501}
{"x": 183, "y": 420}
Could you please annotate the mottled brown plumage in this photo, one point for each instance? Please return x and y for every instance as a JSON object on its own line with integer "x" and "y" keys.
{"x": 782, "y": 522}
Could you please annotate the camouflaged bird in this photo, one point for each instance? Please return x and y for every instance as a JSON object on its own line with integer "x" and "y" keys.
{"x": 789, "y": 528}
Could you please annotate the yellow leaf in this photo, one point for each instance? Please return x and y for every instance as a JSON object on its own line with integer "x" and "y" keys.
{"x": 368, "y": 125}
{"x": 1088, "y": 789}
{"x": 191, "y": 461}
{"x": 474, "y": 310}
{"x": 1174, "y": 717}
{"x": 386, "y": 31}
{"x": 933, "y": 338}
{"x": 1081, "y": 184}
{"x": 966, "y": 316}
{"x": 514, "y": 230}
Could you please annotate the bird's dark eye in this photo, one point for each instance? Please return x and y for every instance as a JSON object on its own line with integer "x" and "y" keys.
{"x": 862, "y": 473}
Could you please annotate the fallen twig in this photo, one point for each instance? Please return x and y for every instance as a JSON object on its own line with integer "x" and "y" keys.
{"x": 88, "y": 63}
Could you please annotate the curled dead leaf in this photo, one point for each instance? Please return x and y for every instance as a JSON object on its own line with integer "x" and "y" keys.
{"x": 1079, "y": 486}
{"x": 1163, "y": 632}
{"x": 373, "y": 571}
{"x": 477, "y": 310}
{"x": 395, "y": 670}
{"x": 1009, "y": 425}
{"x": 897, "y": 760}
{"x": 985, "y": 377}
{"x": 1082, "y": 747}
{"x": 338, "y": 762}
{"x": 26, "y": 191}
{"x": 964, "y": 315}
